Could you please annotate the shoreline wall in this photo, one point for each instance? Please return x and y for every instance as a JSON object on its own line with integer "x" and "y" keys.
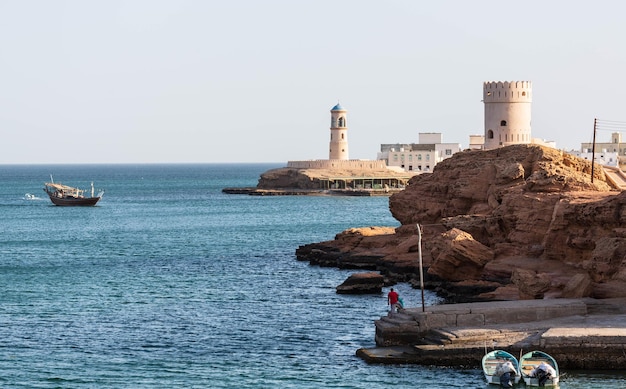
{"x": 338, "y": 164}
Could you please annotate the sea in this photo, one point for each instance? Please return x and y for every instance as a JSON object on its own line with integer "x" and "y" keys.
{"x": 170, "y": 283}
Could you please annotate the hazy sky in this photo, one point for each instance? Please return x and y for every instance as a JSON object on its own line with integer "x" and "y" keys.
{"x": 254, "y": 81}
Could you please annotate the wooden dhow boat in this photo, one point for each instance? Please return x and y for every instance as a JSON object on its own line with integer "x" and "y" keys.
{"x": 501, "y": 368}
{"x": 539, "y": 369}
{"x": 70, "y": 196}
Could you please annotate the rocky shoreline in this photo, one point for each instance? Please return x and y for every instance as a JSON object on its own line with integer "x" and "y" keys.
{"x": 520, "y": 222}
{"x": 524, "y": 226}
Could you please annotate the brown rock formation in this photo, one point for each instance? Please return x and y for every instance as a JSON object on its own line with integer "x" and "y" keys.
{"x": 516, "y": 222}
{"x": 362, "y": 283}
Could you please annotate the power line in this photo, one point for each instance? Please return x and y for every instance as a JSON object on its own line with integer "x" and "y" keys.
{"x": 610, "y": 125}
{"x": 611, "y": 121}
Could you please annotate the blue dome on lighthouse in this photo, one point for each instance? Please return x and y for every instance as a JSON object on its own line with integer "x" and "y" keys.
{"x": 338, "y": 107}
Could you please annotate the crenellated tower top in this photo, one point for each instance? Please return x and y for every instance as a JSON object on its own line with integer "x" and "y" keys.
{"x": 507, "y": 91}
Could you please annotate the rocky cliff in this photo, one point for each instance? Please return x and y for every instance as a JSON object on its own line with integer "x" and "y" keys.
{"x": 519, "y": 222}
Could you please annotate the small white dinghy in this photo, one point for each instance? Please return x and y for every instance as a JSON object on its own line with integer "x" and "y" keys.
{"x": 539, "y": 369}
{"x": 501, "y": 368}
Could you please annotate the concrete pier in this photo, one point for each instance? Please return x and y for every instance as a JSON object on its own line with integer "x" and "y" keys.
{"x": 579, "y": 333}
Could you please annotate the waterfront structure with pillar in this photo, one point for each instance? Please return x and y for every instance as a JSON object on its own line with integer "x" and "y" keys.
{"x": 507, "y": 113}
{"x": 337, "y": 175}
{"x": 338, "y": 154}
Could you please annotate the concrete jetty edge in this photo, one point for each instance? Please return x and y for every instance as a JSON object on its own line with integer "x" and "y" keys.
{"x": 580, "y": 333}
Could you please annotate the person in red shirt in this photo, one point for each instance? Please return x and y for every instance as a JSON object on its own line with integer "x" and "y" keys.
{"x": 392, "y": 300}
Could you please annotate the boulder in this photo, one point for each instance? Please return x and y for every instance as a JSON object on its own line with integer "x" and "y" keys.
{"x": 459, "y": 257}
{"x": 362, "y": 283}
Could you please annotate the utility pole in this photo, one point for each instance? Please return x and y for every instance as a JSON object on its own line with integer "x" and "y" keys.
{"x": 593, "y": 150}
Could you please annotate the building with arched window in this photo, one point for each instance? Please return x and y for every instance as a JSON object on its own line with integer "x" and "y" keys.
{"x": 338, "y": 133}
{"x": 507, "y": 113}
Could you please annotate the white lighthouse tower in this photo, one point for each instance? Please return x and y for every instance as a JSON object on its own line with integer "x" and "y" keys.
{"x": 338, "y": 133}
{"x": 507, "y": 113}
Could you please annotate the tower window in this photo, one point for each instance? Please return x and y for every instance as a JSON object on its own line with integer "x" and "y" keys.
{"x": 490, "y": 134}
{"x": 503, "y": 123}
{"x": 342, "y": 122}
{"x": 342, "y": 135}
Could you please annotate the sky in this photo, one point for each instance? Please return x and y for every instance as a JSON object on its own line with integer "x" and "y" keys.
{"x": 203, "y": 81}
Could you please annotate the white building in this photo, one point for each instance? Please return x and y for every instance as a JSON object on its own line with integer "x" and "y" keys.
{"x": 418, "y": 157}
{"x": 476, "y": 142}
{"x": 615, "y": 146}
{"x": 604, "y": 158}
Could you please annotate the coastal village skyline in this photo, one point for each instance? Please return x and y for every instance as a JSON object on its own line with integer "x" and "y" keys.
{"x": 507, "y": 121}
{"x": 202, "y": 82}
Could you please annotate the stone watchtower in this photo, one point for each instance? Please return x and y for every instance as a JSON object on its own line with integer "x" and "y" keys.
{"x": 338, "y": 133}
{"x": 507, "y": 113}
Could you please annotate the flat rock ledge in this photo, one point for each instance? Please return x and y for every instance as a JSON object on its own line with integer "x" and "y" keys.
{"x": 580, "y": 333}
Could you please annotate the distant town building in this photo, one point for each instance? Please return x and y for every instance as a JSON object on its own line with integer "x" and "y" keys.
{"x": 476, "y": 142}
{"x": 615, "y": 146}
{"x": 418, "y": 157}
{"x": 507, "y": 113}
{"x": 603, "y": 158}
{"x": 544, "y": 142}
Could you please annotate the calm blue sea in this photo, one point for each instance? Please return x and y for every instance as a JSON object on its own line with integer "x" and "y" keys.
{"x": 169, "y": 283}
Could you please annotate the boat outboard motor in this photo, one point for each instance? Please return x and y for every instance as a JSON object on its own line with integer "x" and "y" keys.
{"x": 542, "y": 377}
{"x": 505, "y": 380}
